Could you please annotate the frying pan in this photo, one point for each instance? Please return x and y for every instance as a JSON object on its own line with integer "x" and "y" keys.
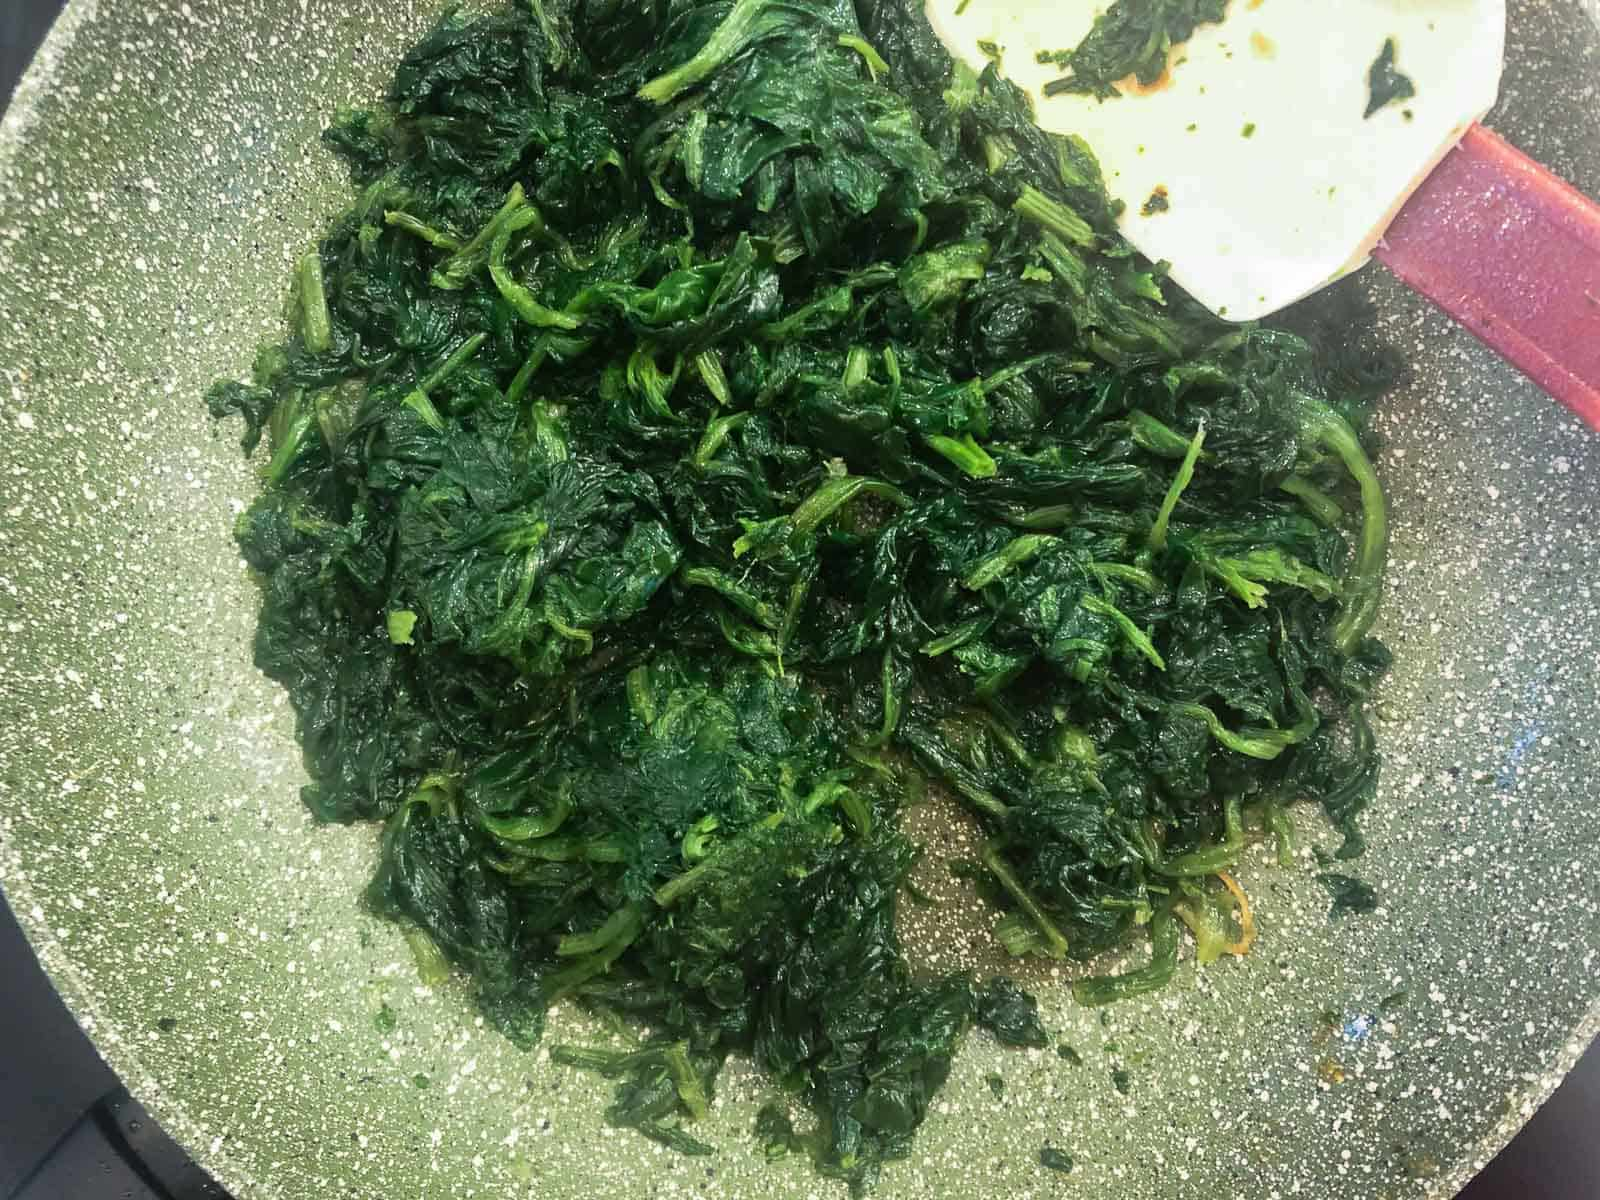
{"x": 159, "y": 171}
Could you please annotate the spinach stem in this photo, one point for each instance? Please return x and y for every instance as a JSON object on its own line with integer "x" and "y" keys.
{"x": 1055, "y": 940}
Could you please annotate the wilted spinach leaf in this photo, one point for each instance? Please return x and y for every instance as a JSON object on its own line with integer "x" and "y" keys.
{"x": 1386, "y": 83}
{"x": 1350, "y": 895}
{"x": 1055, "y": 1159}
{"x": 1132, "y": 37}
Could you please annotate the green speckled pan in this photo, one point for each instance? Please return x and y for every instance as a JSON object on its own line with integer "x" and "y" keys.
{"x": 159, "y": 171}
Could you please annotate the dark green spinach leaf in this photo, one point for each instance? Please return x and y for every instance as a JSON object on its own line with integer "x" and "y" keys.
{"x": 1386, "y": 84}
{"x": 1132, "y": 37}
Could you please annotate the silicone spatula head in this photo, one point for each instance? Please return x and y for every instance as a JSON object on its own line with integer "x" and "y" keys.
{"x": 1269, "y": 177}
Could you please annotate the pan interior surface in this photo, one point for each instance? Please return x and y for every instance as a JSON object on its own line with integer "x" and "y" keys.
{"x": 159, "y": 173}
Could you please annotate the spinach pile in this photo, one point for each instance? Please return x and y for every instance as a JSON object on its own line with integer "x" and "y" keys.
{"x": 713, "y": 426}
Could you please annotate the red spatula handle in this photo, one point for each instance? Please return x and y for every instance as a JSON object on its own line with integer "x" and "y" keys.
{"x": 1512, "y": 253}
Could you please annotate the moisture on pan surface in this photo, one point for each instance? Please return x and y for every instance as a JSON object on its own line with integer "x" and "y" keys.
{"x": 157, "y": 176}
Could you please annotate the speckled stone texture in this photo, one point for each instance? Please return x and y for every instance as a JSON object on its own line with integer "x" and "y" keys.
{"x": 158, "y": 174}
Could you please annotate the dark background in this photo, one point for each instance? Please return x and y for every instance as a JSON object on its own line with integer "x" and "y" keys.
{"x": 69, "y": 1132}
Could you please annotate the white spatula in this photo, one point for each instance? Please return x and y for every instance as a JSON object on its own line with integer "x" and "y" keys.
{"x": 1252, "y": 166}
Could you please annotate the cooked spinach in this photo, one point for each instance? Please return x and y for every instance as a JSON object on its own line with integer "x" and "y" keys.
{"x": 1350, "y": 895}
{"x": 713, "y": 426}
{"x": 1132, "y": 37}
{"x": 1055, "y": 1160}
{"x": 1386, "y": 84}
